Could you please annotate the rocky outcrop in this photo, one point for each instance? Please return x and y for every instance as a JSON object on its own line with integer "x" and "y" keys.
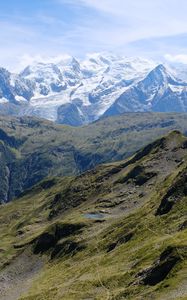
{"x": 161, "y": 268}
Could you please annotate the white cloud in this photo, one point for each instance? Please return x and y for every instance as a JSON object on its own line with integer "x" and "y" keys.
{"x": 147, "y": 18}
{"x": 28, "y": 59}
{"x": 117, "y": 23}
{"x": 179, "y": 58}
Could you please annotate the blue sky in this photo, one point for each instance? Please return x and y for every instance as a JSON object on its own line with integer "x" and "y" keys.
{"x": 41, "y": 29}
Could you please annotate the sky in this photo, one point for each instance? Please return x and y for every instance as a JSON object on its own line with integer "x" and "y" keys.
{"x": 46, "y": 30}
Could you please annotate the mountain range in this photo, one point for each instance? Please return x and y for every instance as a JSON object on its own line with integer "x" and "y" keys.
{"x": 78, "y": 92}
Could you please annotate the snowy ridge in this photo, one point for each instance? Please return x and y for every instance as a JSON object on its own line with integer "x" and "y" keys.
{"x": 77, "y": 92}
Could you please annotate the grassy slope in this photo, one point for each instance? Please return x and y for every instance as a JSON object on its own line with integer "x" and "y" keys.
{"x": 129, "y": 202}
{"x": 36, "y": 149}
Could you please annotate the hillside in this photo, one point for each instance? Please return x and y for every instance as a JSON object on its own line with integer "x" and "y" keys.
{"x": 32, "y": 149}
{"x": 115, "y": 232}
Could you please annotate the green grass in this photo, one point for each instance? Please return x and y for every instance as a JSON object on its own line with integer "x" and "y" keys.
{"x": 93, "y": 272}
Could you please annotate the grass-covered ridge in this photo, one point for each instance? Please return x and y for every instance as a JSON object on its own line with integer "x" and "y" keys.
{"x": 31, "y": 149}
{"x": 104, "y": 234}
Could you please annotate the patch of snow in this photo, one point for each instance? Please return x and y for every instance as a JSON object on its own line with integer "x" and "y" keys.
{"x": 3, "y": 100}
{"x": 176, "y": 88}
{"x": 20, "y": 98}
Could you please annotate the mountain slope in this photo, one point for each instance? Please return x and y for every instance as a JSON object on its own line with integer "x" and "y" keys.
{"x": 32, "y": 149}
{"x": 103, "y": 235}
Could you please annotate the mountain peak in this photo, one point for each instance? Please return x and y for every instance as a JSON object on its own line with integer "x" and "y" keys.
{"x": 66, "y": 60}
{"x": 161, "y": 68}
{"x": 161, "y": 72}
{"x": 161, "y": 76}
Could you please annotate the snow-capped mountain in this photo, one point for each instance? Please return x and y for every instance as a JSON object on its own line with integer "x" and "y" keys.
{"x": 78, "y": 92}
{"x": 158, "y": 91}
{"x": 49, "y": 78}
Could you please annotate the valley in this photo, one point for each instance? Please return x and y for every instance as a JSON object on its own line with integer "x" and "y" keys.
{"x": 32, "y": 149}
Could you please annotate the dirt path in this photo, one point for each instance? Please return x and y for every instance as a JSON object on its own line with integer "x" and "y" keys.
{"x": 16, "y": 278}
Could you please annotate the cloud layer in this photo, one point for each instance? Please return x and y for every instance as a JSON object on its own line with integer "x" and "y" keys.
{"x": 179, "y": 58}
{"x": 49, "y": 28}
